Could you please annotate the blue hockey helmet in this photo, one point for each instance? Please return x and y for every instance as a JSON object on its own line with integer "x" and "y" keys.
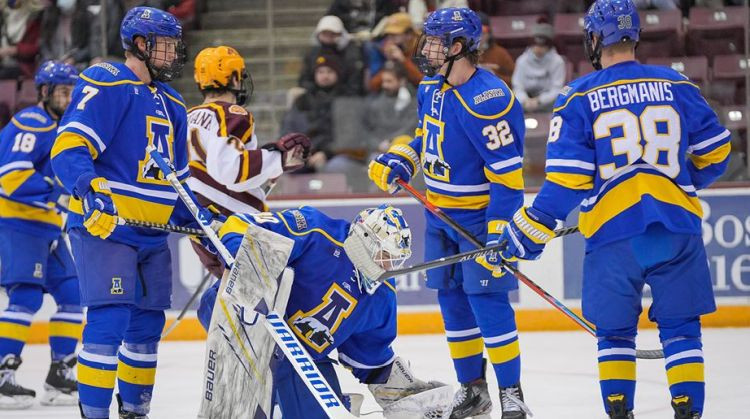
{"x": 449, "y": 25}
{"x": 150, "y": 23}
{"x": 612, "y": 22}
{"x": 455, "y": 22}
{"x": 54, "y": 73}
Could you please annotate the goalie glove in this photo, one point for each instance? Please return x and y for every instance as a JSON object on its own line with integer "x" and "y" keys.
{"x": 405, "y": 396}
{"x": 294, "y": 148}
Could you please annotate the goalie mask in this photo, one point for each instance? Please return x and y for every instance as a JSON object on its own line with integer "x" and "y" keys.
{"x": 379, "y": 240}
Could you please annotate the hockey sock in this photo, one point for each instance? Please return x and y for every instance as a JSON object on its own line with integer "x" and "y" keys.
{"x": 15, "y": 321}
{"x": 136, "y": 370}
{"x": 617, "y": 364}
{"x": 497, "y": 321}
{"x": 464, "y": 338}
{"x": 681, "y": 340}
{"x": 97, "y": 361}
{"x": 65, "y": 325}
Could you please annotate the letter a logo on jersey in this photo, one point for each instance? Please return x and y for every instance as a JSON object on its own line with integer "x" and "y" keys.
{"x": 316, "y": 327}
{"x": 159, "y": 132}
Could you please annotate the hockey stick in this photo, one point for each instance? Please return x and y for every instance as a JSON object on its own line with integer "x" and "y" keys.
{"x": 279, "y": 330}
{"x": 643, "y": 354}
{"x": 460, "y": 257}
{"x": 169, "y": 228}
{"x": 185, "y": 309}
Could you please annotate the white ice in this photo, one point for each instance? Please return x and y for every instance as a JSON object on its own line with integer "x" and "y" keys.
{"x": 559, "y": 376}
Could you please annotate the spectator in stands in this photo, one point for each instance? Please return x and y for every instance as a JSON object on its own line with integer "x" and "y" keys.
{"x": 657, "y": 4}
{"x": 391, "y": 112}
{"x": 20, "y": 24}
{"x": 359, "y": 16}
{"x": 331, "y": 38}
{"x": 396, "y": 44}
{"x": 540, "y": 72}
{"x": 419, "y": 9}
{"x": 494, "y": 57}
{"x": 311, "y": 112}
{"x": 66, "y": 32}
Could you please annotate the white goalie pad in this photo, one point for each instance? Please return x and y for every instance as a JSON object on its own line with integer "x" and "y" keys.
{"x": 237, "y": 377}
{"x": 429, "y": 404}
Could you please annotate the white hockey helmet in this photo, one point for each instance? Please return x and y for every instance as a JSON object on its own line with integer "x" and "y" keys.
{"x": 379, "y": 240}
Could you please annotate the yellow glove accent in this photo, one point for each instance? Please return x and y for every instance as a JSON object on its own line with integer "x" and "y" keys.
{"x": 378, "y": 173}
{"x": 100, "y": 224}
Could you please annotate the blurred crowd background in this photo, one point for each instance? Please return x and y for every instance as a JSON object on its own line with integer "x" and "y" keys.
{"x": 342, "y": 70}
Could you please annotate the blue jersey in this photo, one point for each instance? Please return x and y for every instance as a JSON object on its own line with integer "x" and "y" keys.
{"x": 631, "y": 144}
{"x": 470, "y": 142}
{"x": 327, "y": 309}
{"x": 25, "y": 145}
{"x": 112, "y": 118}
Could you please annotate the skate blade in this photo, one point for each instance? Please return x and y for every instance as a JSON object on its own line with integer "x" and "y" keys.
{"x": 16, "y": 403}
{"x": 54, "y": 397}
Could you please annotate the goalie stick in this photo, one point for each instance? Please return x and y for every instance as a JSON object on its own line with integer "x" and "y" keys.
{"x": 277, "y": 327}
{"x": 640, "y": 353}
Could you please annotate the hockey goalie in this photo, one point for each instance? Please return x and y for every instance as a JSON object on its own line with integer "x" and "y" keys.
{"x": 332, "y": 303}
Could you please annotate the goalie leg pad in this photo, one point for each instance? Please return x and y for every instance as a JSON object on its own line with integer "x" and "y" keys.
{"x": 402, "y": 384}
{"x": 430, "y": 404}
{"x": 294, "y": 398}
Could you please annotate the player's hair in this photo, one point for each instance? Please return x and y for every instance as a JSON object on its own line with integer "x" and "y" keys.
{"x": 471, "y": 55}
{"x": 623, "y": 46}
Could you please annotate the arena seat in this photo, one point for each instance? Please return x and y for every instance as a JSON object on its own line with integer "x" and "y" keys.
{"x": 695, "y": 68}
{"x": 716, "y": 32}
{"x": 522, "y": 7}
{"x": 734, "y": 117}
{"x": 7, "y": 100}
{"x": 535, "y": 146}
{"x": 513, "y": 32}
{"x": 728, "y": 81}
{"x": 661, "y": 34}
{"x": 584, "y": 67}
{"x": 27, "y": 94}
{"x": 569, "y": 35}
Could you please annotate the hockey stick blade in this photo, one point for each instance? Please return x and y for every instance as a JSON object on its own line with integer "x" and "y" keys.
{"x": 647, "y": 354}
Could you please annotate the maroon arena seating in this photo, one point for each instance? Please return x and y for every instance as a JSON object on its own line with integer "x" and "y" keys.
{"x": 513, "y": 32}
{"x": 535, "y": 146}
{"x": 715, "y": 32}
{"x": 584, "y": 67}
{"x": 661, "y": 34}
{"x": 27, "y": 95}
{"x": 7, "y": 100}
{"x": 728, "y": 81}
{"x": 522, "y": 7}
{"x": 569, "y": 35}
{"x": 734, "y": 117}
{"x": 695, "y": 68}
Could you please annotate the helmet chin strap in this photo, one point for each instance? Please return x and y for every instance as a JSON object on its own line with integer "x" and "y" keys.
{"x": 450, "y": 59}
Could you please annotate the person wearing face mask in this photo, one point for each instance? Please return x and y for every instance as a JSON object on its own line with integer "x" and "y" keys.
{"x": 66, "y": 31}
{"x": 331, "y": 38}
{"x": 540, "y": 72}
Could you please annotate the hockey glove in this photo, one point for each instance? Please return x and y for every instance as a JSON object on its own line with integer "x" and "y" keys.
{"x": 294, "y": 148}
{"x": 400, "y": 162}
{"x": 493, "y": 262}
{"x": 99, "y": 212}
{"x": 527, "y": 234}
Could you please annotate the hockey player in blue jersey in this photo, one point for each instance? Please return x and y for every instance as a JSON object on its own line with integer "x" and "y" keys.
{"x": 632, "y": 144}
{"x": 35, "y": 258}
{"x": 125, "y": 273}
{"x": 469, "y": 142}
{"x": 334, "y": 302}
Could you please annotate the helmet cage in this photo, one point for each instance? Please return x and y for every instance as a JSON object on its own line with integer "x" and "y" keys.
{"x": 166, "y": 73}
{"x": 446, "y": 42}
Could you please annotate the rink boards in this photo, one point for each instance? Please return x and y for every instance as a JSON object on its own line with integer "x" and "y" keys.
{"x": 726, "y": 234}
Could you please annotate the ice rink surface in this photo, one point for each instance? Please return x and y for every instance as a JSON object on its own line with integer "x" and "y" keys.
{"x": 559, "y": 376}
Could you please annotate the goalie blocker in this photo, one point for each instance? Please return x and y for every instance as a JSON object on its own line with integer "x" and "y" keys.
{"x": 335, "y": 303}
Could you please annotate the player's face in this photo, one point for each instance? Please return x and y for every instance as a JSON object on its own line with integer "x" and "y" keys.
{"x": 164, "y": 52}
{"x": 60, "y": 98}
{"x": 433, "y": 50}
